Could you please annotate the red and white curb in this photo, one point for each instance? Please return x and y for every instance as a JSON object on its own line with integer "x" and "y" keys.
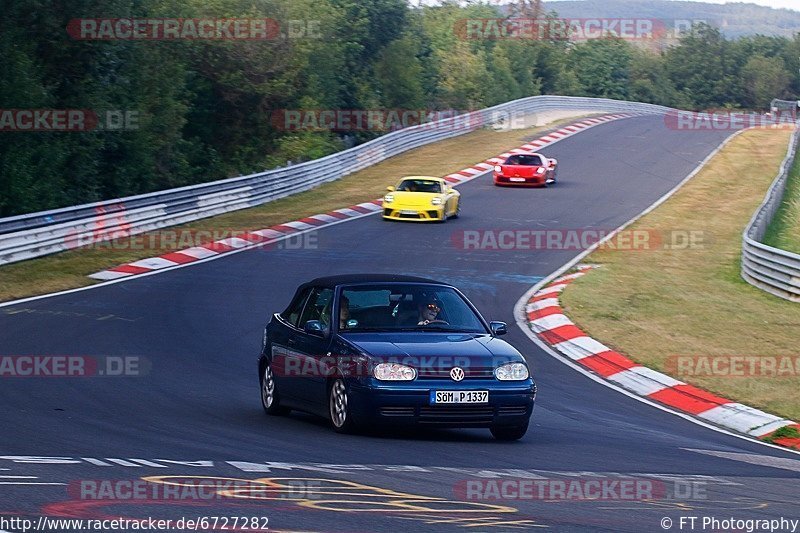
{"x": 546, "y": 318}
{"x": 273, "y": 234}
{"x": 250, "y": 239}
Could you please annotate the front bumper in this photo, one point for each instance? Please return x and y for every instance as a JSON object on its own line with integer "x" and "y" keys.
{"x": 535, "y": 181}
{"x": 510, "y": 404}
{"x": 414, "y": 214}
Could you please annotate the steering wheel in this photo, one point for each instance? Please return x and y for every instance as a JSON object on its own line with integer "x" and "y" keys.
{"x": 437, "y": 321}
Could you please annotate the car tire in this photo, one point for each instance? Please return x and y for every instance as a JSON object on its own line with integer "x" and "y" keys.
{"x": 509, "y": 433}
{"x": 339, "y": 407}
{"x": 458, "y": 209}
{"x": 270, "y": 399}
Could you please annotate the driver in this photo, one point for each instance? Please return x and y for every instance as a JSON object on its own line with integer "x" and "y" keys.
{"x": 429, "y": 311}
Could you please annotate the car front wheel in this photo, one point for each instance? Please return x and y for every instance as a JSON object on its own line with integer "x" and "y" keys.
{"x": 509, "y": 432}
{"x": 339, "y": 408}
{"x": 270, "y": 400}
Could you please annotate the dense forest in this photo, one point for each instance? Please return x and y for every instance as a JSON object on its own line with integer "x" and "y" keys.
{"x": 201, "y": 110}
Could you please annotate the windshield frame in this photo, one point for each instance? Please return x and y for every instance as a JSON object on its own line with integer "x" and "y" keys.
{"x": 541, "y": 163}
{"x": 439, "y": 184}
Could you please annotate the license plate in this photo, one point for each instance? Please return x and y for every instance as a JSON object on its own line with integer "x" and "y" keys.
{"x": 517, "y": 179}
{"x": 408, "y": 212}
{"x": 459, "y": 396}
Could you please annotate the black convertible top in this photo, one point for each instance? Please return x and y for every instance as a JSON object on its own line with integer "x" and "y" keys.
{"x": 349, "y": 279}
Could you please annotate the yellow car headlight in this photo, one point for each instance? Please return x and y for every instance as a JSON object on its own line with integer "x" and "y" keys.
{"x": 389, "y": 198}
{"x": 436, "y": 201}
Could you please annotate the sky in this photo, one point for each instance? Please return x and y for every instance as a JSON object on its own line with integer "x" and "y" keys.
{"x": 788, "y": 4}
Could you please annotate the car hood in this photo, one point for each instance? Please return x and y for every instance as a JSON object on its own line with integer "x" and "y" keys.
{"x": 414, "y": 199}
{"x": 478, "y": 349}
{"x": 523, "y": 171}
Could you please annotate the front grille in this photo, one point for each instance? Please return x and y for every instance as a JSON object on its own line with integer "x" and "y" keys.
{"x": 397, "y": 411}
{"x": 433, "y": 214}
{"x": 469, "y": 373}
{"x": 510, "y": 410}
{"x": 456, "y": 413}
{"x": 387, "y": 212}
{"x": 405, "y": 215}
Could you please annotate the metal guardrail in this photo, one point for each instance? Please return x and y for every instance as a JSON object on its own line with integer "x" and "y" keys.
{"x": 772, "y": 269}
{"x": 36, "y": 234}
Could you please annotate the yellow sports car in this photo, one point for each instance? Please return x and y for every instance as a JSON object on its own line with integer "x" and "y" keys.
{"x": 421, "y": 199}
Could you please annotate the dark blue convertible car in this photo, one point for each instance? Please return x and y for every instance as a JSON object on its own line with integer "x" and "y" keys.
{"x": 375, "y": 349}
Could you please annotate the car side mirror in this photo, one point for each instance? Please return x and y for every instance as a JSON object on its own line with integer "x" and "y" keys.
{"x": 390, "y": 189}
{"x": 498, "y": 328}
{"x": 314, "y": 327}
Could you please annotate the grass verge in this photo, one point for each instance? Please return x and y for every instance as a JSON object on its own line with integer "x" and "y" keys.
{"x": 67, "y": 270}
{"x": 656, "y": 305}
{"x": 784, "y": 232}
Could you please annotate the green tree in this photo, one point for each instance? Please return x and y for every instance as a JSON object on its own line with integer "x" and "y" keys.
{"x": 764, "y": 79}
{"x": 703, "y": 68}
{"x": 398, "y": 72}
{"x": 602, "y": 67}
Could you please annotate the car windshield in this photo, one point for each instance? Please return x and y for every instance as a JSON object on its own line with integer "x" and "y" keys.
{"x": 409, "y": 307}
{"x": 525, "y": 160}
{"x": 420, "y": 186}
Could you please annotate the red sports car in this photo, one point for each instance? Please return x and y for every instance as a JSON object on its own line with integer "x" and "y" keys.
{"x": 527, "y": 170}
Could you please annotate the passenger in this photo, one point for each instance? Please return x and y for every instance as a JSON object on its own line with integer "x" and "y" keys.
{"x": 344, "y": 312}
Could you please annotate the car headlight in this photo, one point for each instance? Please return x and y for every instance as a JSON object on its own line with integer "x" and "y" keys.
{"x": 389, "y": 198}
{"x": 436, "y": 201}
{"x": 541, "y": 170}
{"x": 264, "y": 340}
{"x": 394, "y": 372}
{"x": 512, "y": 372}
{"x": 498, "y": 169}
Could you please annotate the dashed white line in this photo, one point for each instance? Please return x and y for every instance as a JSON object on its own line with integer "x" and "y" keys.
{"x": 27, "y": 483}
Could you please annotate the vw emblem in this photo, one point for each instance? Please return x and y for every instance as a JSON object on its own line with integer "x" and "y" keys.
{"x": 457, "y": 374}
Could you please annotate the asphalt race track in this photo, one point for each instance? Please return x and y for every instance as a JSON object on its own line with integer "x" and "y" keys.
{"x": 196, "y": 412}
